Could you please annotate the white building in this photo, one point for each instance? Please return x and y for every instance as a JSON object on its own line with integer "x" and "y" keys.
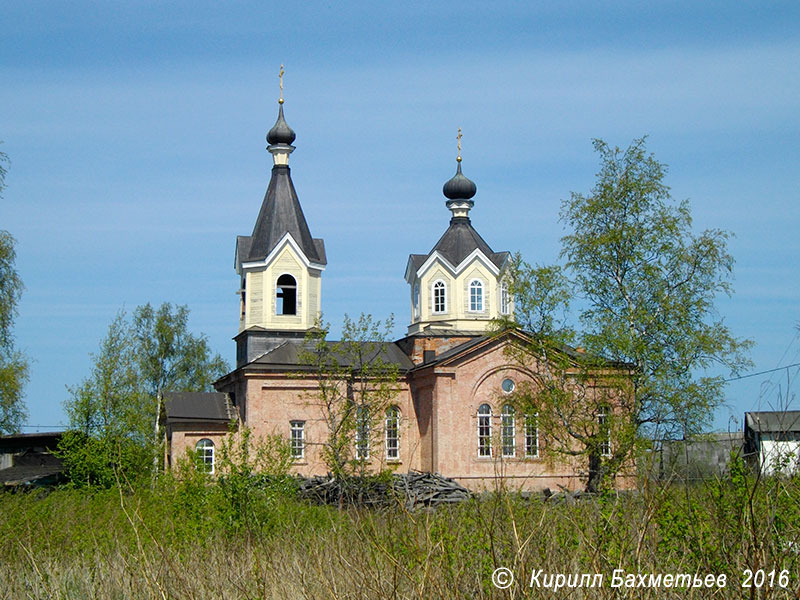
{"x": 772, "y": 440}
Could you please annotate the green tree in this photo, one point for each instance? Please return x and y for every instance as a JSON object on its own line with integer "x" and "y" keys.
{"x": 115, "y": 413}
{"x": 646, "y": 286}
{"x": 570, "y": 398}
{"x": 13, "y": 364}
{"x": 650, "y": 286}
{"x": 168, "y": 357}
{"x": 356, "y": 382}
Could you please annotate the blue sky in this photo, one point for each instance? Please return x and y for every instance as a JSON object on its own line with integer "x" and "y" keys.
{"x": 136, "y": 138}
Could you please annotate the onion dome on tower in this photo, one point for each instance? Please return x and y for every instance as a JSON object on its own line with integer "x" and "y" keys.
{"x": 456, "y": 286}
{"x": 459, "y": 189}
{"x": 280, "y": 133}
{"x": 280, "y": 263}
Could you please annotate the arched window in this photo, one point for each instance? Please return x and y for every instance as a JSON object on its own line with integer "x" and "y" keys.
{"x": 505, "y": 300}
{"x": 362, "y": 433}
{"x": 286, "y": 300}
{"x": 392, "y": 428}
{"x": 484, "y": 431}
{"x": 508, "y": 433}
{"x": 204, "y": 451}
{"x": 439, "y": 297}
{"x": 476, "y": 295}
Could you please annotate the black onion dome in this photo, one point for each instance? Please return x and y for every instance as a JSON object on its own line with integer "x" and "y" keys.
{"x": 459, "y": 187}
{"x": 280, "y": 133}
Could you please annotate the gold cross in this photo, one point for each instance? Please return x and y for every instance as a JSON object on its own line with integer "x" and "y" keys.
{"x": 458, "y": 137}
{"x": 280, "y": 76}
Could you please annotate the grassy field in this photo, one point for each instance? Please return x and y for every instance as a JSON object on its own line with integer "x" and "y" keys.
{"x": 190, "y": 539}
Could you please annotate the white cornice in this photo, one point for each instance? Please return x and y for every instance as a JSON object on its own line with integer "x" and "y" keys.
{"x": 454, "y": 270}
{"x": 287, "y": 239}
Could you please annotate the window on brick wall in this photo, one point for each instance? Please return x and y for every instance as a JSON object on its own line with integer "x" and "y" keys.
{"x": 297, "y": 440}
{"x": 392, "y": 433}
{"x": 362, "y": 433}
{"x": 204, "y": 450}
{"x": 604, "y": 431}
{"x": 508, "y": 431}
{"x": 532, "y": 435}
{"x": 484, "y": 431}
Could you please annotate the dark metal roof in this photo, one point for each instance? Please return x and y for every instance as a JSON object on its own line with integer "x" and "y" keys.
{"x": 16, "y": 442}
{"x": 34, "y": 465}
{"x": 243, "y": 243}
{"x": 198, "y": 406}
{"x": 288, "y": 355}
{"x": 31, "y": 474}
{"x": 281, "y": 214}
{"x": 773, "y": 421}
{"x": 417, "y": 260}
{"x": 481, "y": 338}
{"x": 460, "y": 240}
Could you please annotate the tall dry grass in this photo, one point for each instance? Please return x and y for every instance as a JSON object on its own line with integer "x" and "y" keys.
{"x": 189, "y": 539}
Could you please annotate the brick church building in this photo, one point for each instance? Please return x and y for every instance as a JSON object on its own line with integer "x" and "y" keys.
{"x": 450, "y": 411}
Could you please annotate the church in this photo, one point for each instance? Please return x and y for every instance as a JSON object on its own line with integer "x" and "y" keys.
{"x": 449, "y": 411}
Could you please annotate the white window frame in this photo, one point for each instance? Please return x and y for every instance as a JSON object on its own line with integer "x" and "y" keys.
{"x": 205, "y": 452}
{"x": 416, "y": 300}
{"x": 604, "y": 431}
{"x": 297, "y": 439}
{"x": 532, "y": 435}
{"x": 392, "y": 433}
{"x": 508, "y": 433}
{"x": 505, "y": 300}
{"x": 476, "y": 295}
{"x": 362, "y": 433}
{"x": 484, "y": 431}
{"x": 434, "y": 304}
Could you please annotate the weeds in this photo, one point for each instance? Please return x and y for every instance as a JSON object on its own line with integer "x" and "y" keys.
{"x": 190, "y": 537}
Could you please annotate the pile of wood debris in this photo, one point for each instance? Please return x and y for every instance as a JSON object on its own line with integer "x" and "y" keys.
{"x": 412, "y": 490}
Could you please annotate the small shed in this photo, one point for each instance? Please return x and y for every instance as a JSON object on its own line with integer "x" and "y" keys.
{"x": 772, "y": 441}
{"x": 28, "y": 459}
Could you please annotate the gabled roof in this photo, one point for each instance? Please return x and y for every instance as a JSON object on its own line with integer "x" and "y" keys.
{"x": 773, "y": 421}
{"x": 460, "y": 240}
{"x": 198, "y": 406}
{"x": 17, "y": 442}
{"x": 288, "y": 356}
{"x": 32, "y": 460}
{"x": 280, "y": 214}
{"x": 481, "y": 342}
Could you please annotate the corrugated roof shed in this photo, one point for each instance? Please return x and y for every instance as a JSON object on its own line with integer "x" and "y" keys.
{"x": 773, "y": 421}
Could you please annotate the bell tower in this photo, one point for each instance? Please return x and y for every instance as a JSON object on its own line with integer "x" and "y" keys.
{"x": 280, "y": 264}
